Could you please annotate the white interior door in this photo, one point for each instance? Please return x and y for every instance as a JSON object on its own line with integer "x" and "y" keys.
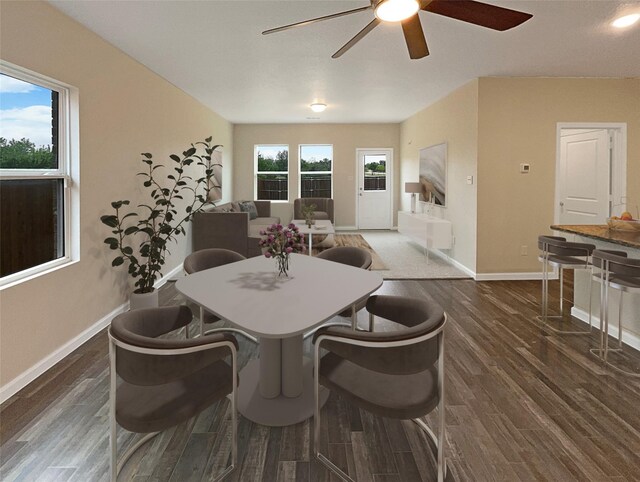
{"x": 374, "y": 188}
{"x": 584, "y": 176}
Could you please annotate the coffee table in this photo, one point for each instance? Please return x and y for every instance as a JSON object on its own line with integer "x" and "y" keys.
{"x": 322, "y": 226}
{"x": 277, "y": 389}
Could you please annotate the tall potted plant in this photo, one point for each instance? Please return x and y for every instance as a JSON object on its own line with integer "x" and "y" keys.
{"x": 141, "y": 236}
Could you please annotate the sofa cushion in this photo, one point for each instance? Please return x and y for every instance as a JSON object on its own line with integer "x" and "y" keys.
{"x": 235, "y": 207}
{"x": 249, "y": 207}
{"x": 264, "y": 222}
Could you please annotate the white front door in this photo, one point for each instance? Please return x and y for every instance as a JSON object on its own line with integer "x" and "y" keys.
{"x": 584, "y": 176}
{"x": 374, "y": 188}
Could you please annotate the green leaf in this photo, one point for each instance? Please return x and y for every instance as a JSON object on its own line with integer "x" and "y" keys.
{"x": 208, "y": 139}
{"x": 174, "y": 157}
{"x": 147, "y": 155}
{"x": 127, "y": 250}
{"x": 189, "y": 152}
{"x": 147, "y": 184}
{"x": 110, "y": 220}
{"x": 131, "y": 230}
{"x": 117, "y": 261}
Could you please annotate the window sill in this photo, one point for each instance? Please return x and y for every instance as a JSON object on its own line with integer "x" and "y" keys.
{"x": 35, "y": 272}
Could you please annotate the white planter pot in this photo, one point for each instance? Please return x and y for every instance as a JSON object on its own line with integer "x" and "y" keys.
{"x": 143, "y": 300}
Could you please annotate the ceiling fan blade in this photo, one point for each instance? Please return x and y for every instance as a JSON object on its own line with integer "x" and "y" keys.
{"x": 370, "y": 26}
{"x": 318, "y": 19}
{"x": 414, "y": 36}
{"x": 478, "y": 13}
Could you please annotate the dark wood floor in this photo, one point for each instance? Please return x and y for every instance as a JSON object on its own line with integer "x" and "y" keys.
{"x": 521, "y": 405}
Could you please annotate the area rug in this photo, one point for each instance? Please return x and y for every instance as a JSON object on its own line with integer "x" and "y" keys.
{"x": 358, "y": 241}
{"x": 407, "y": 260}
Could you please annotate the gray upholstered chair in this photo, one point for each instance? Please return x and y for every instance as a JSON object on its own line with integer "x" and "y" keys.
{"x": 559, "y": 253}
{"x": 324, "y": 208}
{"x": 352, "y": 256}
{"x": 621, "y": 273}
{"x": 165, "y": 381}
{"x": 396, "y": 374}
{"x": 207, "y": 259}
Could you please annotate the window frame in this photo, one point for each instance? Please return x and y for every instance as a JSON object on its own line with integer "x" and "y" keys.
{"x": 300, "y": 173}
{"x": 256, "y": 173}
{"x": 68, "y": 170}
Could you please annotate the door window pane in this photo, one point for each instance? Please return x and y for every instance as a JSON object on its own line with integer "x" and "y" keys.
{"x": 375, "y": 172}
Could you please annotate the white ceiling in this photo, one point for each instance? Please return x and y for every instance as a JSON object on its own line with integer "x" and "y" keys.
{"x": 214, "y": 50}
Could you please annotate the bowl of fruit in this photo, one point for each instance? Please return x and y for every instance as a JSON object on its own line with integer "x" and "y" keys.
{"x": 624, "y": 223}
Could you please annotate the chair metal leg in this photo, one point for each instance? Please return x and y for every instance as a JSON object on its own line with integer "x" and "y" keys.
{"x": 371, "y": 320}
{"x": 561, "y": 291}
{"x": 113, "y": 436}
{"x": 544, "y": 318}
{"x": 354, "y": 318}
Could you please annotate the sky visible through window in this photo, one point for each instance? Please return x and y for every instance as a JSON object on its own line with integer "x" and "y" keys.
{"x": 25, "y": 111}
{"x": 316, "y": 153}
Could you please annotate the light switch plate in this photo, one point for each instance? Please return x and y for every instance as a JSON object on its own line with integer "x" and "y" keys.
{"x": 525, "y": 168}
{"x": 469, "y": 179}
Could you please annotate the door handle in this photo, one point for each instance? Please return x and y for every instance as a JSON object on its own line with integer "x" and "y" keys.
{"x": 561, "y": 204}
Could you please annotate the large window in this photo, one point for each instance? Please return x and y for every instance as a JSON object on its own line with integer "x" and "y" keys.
{"x": 36, "y": 175}
{"x": 375, "y": 172}
{"x": 316, "y": 168}
{"x": 272, "y": 172}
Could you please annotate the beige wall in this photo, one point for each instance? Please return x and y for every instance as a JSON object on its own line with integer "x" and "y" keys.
{"x": 454, "y": 120}
{"x": 125, "y": 109}
{"x": 346, "y": 138}
{"x": 517, "y": 123}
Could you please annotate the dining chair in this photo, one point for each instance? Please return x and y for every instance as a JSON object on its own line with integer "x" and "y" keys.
{"x": 395, "y": 374}
{"x": 557, "y": 252}
{"x": 207, "y": 259}
{"x": 351, "y": 256}
{"x": 621, "y": 273}
{"x": 166, "y": 381}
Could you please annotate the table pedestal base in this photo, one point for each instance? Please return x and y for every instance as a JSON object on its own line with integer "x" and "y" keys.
{"x": 278, "y": 411}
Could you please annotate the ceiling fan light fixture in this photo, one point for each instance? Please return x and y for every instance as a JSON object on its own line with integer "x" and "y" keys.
{"x": 317, "y": 107}
{"x": 626, "y": 21}
{"x": 396, "y": 10}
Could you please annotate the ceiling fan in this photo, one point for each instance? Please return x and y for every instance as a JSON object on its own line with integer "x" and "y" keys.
{"x": 406, "y": 12}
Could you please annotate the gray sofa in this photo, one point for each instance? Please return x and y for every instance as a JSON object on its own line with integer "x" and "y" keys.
{"x": 226, "y": 226}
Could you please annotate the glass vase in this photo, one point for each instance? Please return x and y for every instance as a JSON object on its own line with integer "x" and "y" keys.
{"x": 282, "y": 261}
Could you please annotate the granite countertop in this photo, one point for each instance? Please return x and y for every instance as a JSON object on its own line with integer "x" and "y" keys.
{"x": 601, "y": 232}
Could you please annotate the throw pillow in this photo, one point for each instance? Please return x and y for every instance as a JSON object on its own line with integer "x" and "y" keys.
{"x": 249, "y": 207}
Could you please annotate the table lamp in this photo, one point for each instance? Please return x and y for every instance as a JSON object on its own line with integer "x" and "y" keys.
{"x": 413, "y": 188}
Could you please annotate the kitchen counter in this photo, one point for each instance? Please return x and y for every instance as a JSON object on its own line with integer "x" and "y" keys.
{"x": 604, "y": 238}
{"x": 602, "y": 233}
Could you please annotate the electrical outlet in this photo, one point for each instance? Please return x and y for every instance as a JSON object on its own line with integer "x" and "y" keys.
{"x": 524, "y": 250}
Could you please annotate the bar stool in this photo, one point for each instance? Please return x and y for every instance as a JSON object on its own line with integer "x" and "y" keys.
{"x": 562, "y": 254}
{"x": 622, "y": 273}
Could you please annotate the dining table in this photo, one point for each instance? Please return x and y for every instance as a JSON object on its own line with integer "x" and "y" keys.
{"x": 277, "y": 388}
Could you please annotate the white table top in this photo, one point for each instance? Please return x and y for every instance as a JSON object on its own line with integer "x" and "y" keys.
{"x": 322, "y": 226}
{"x": 250, "y": 295}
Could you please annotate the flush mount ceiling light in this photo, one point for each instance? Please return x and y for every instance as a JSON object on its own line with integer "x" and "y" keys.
{"x": 317, "y": 107}
{"x": 626, "y": 21}
{"x": 396, "y": 10}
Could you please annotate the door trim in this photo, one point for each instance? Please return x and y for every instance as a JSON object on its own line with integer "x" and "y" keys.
{"x": 389, "y": 150}
{"x": 618, "y": 172}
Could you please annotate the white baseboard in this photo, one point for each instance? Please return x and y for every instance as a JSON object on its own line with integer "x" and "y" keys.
{"x": 627, "y": 338}
{"x": 512, "y": 276}
{"x": 346, "y": 228}
{"x": 18, "y": 383}
{"x": 29, "y": 375}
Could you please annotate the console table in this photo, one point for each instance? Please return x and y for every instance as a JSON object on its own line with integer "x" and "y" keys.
{"x": 426, "y": 230}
